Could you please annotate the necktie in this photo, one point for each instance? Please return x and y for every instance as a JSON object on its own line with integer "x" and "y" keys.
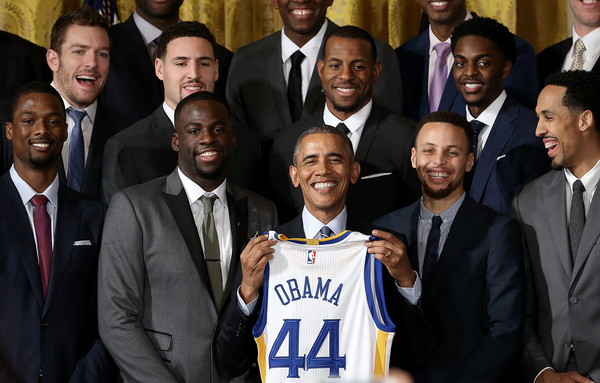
{"x": 578, "y": 60}
{"x": 211, "y": 249}
{"x": 431, "y": 251}
{"x": 577, "y": 218}
{"x": 440, "y": 75}
{"x": 43, "y": 233}
{"x": 325, "y": 232}
{"x": 76, "y": 153}
{"x": 477, "y": 127}
{"x": 343, "y": 128}
{"x": 294, "y": 90}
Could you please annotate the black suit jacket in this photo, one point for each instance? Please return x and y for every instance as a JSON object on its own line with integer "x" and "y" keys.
{"x": 132, "y": 87}
{"x": 387, "y": 180}
{"x": 551, "y": 60}
{"x": 57, "y": 335}
{"x": 476, "y": 295}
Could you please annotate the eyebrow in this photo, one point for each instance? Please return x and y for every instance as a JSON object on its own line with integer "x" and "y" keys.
{"x": 190, "y": 58}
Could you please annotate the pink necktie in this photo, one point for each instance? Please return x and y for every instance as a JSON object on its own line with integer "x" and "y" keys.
{"x": 41, "y": 221}
{"x": 440, "y": 75}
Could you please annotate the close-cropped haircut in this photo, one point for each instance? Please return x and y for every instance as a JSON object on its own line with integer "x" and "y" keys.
{"x": 85, "y": 16}
{"x": 184, "y": 29}
{"x": 199, "y": 96}
{"x": 352, "y": 32}
{"x": 448, "y": 117}
{"x": 581, "y": 92}
{"x": 490, "y": 29}
{"x": 324, "y": 129}
{"x": 33, "y": 87}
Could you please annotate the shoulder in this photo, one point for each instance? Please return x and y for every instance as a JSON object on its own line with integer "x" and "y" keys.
{"x": 558, "y": 49}
{"x": 71, "y": 197}
{"x": 140, "y": 129}
{"x": 398, "y": 218}
{"x": 293, "y": 131}
{"x": 239, "y": 192}
{"x": 417, "y": 45}
{"x": 251, "y": 50}
{"x": 391, "y": 123}
{"x": 531, "y": 191}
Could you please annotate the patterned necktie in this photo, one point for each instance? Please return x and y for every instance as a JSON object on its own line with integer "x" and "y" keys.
{"x": 76, "y": 152}
{"x": 211, "y": 249}
{"x": 325, "y": 232}
{"x": 294, "y": 90}
{"x": 578, "y": 60}
{"x": 43, "y": 233}
{"x": 477, "y": 128}
{"x": 577, "y": 217}
{"x": 440, "y": 75}
{"x": 431, "y": 250}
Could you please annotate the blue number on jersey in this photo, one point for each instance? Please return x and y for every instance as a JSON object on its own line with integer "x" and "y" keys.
{"x": 292, "y": 361}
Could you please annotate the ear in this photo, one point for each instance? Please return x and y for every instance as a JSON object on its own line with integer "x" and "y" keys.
{"x": 413, "y": 159}
{"x": 175, "y": 142}
{"x": 470, "y": 162}
{"x": 376, "y": 71}
{"x": 586, "y": 121}
{"x": 216, "y": 69}
{"x": 274, "y": 4}
{"x": 9, "y": 128}
{"x": 506, "y": 68}
{"x": 159, "y": 69}
{"x": 294, "y": 176}
{"x": 320, "y": 67}
{"x": 354, "y": 171}
{"x": 52, "y": 59}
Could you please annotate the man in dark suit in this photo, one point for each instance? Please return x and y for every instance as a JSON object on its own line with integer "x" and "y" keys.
{"x": 185, "y": 63}
{"x": 563, "y": 55}
{"x": 381, "y": 139}
{"x": 508, "y": 154}
{"x": 132, "y": 88}
{"x": 171, "y": 249}
{"x": 560, "y": 218}
{"x": 50, "y": 239}
{"x": 417, "y": 58}
{"x": 468, "y": 259}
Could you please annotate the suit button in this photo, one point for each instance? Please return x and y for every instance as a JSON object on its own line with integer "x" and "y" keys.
{"x": 44, "y": 324}
{"x": 573, "y": 300}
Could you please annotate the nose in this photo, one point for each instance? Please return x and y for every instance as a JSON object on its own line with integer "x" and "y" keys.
{"x": 206, "y": 136}
{"x": 540, "y": 130}
{"x": 471, "y": 69}
{"x": 439, "y": 158}
{"x": 346, "y": 72}
{"x": 41, "y": 128}
{"x": 91, "y": 59}
{"x": 323, "y": 167}
{"x": 194, "y": 71}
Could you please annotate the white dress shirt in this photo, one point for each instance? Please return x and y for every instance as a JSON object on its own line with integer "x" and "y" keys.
{"x": 355, "y": 123}
{"x": 591, "y": 53}
{"x": 312, "y": 225}
{"x": 149, "y": 33}
{"x": 488, "y": 117}
{"x": 590, "y": 182}
{"x": 26, "y": 192}
{"x": 169, "y": 112}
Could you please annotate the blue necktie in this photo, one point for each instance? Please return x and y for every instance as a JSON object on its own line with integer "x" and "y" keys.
{"x": 477, "y": 127}
{"x": 431, "y": 251}
{"x": 76, "y": 153}
{"x": 325, "y": 232}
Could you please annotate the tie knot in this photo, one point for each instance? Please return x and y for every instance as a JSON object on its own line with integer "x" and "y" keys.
{"x": 325, "y": 232}
{"x": 579, "y": 46}
{"x": 442, "y": 49}
{"x": 208, "y": 200}
{"x": 297, "y": 58}
{"x": 436, "y": 222}
{"x": 343, "y": 128}
{"x": 76, "y": 115}
{"x": 578, "y": 186}
{"x": 477, "y": 126}
{"x": 39, "y": 200}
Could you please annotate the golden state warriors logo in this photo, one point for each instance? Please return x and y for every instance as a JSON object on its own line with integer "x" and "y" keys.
{"x": 312, "y": 257}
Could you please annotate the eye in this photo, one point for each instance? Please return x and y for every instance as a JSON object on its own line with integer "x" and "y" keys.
{"x": 453, "y": 153}
{"x": 483, "y": 63}
{"x": 53, "y": 122}
{"x": 219, "y": 129}
{"x": 194, "y": 131}
{"x": 429, "y": 151}
{"x": 459, "y": 64}
{"x": 102, "y": 54}
{"x": 334, "y": 66}
{"x": 358, "y": 67}
{"x": 27, "y": 121}
{"x": 180, "y": 63}
{"x": 78, "y": 51}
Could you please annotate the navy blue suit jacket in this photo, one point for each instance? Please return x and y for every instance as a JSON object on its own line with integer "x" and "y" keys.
{"x": 413, "y": 57}
{"x": 476, "y": 295}
{"x": 512, "y": 156}
{"x": 57, "y": 336}
{"x": 551, "y": 60}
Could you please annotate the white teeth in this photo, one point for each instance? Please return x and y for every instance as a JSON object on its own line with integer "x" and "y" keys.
{"x": 324, "y": 185}
{"x": 439, "y": 3}
{"x": 550, "y": 145}
{"x": 472, "y": 86}
{"x": 589, "y": 1}
{"x": 86, "y": 78}
{"x": 438, "y": 175}
{"x": 195, "y": 88}
{"x": 302, "y": 12}
{"x": 208, "y": 154}
{"x": 40, "y": 145}
{"x": 345, "y": 90}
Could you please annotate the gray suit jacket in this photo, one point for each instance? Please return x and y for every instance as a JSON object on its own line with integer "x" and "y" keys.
{"x": 562, "y": 302}
{"x": 156, "y": 311}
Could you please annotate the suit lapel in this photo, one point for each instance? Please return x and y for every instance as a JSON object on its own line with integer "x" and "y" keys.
{"x": 424, "y": 44}
{"x": 589, "y": 238}
{"x": 238, "y": 220}
{"x": 499, "y": 136}
{"x": 554, "y": 196}
{"x": 277, "y": 81}
{"x": 315, "y": 99}
{"x": 366, "y": 138}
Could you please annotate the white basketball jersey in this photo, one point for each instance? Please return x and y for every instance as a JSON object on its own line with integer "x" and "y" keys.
{"x": 323, "y": 314}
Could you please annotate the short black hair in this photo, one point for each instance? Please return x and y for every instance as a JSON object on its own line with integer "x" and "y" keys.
{"x": 581, "y": 92}
{"x": 491, "y": 30}
{"x": 352, "y": 32}
{"x": 324, "y": 129}
{"x": 33, "y": 87}
{"x": 184, "y": 29}
{"x": 85, "y": 16}
{"x": 448, "y": 117}
{"x": 198, "y": 96}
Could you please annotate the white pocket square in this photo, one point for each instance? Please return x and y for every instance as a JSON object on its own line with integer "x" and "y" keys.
{"x": 83, "y": 242}
{"x": 500, "y": 157}
{"x": 375, "y": 176}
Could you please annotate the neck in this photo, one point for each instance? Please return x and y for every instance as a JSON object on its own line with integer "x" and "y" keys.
{"x": 439, "y": 205}
{"x": 326, "y": 216}
{"x": 300, "y": 39}
{"x": 160, "y": 23}
{"x": 442, "y": 31}
{"x": 583, "y": 30}
{"x": 38, "y": 179}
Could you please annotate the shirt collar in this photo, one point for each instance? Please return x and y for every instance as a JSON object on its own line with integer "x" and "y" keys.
{"x": 90, "y": 109}
{"x": 591, "y": 41}
{"x": 148, "y": 31}
{"x": 447, "y": 215}
{"x": 312, "y": 225}
{"x": 310, "y": 49}
{"x": 169, "y": 112}
{"x": 488, "y": 116}
{"x": 194, "y": 191}
{"x": 433, "y": 38}
{"x": 589, "y": 180}
{"x": 354, "y": 122}
{"x": 26, "y": 191}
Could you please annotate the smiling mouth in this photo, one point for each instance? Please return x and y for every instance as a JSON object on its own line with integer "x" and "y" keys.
{"x": 193, "y": 88}
{"x": 324, "y": 185}
{"x": 589, "y": 2}
{"x": 86, "y": 79}
{"x": 302, "y": 12}
{"x": 42, "y": 145}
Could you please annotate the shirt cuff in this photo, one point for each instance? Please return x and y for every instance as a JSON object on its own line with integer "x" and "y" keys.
{"x": 247, "y": 309}
{"x": 539, "y": 373}
{"x": 411, "y": 294}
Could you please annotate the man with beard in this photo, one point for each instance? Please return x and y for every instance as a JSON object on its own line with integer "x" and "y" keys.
{"x": 507, "y": 153}
{"x": 132, "y": 88}
{"x": 467, "y": 261}
{"x": 380, "y": 138}
{"x": 170, "y": 252}
{"x": 185, "y": 63}
{"x": 560, "y": 218}
{"x": 50, "y": 239}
